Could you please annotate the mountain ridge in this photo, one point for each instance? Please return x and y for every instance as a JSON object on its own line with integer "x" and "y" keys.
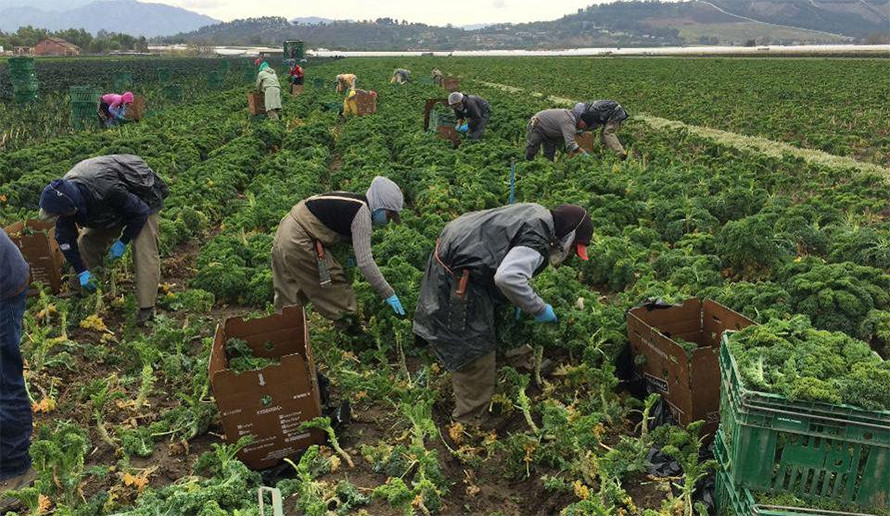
{"x": 126, "y": 16}
{"x": 624, "y": 23}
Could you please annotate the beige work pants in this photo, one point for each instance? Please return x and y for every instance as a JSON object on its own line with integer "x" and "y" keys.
{"x": 94, "y": 244}
{"x": 295, "y": 269}
{"x": 609, "y": 137}
{"x": 473, "y": 384}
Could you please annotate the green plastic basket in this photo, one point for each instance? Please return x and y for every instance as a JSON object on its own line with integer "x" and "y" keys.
{"x": 214, "y": 80}
{"x": 164, "y": 74}
{"x": 123, "y": 81}
{"x": 24, "y": 97}
{"x": 84, "y": 94}
{"x": 735, "y": 501}
{"x": 20, "y": 64}
{"x": 27, "y": 86}
{"x": 808, "y": 449}
{"x": 84, "y": 115}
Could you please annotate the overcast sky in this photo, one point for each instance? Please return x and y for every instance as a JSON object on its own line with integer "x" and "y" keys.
{"x": 435, "y": 12}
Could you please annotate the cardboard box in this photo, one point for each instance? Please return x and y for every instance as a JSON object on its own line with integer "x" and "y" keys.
{"x": 37, "y": 241}
{"x": 447, "y": 132}
{"x": 268, "y": 403}
{"x": 136, "y": 110}
{"x": 256, "y": 103}
{"x": 586, "y": 140}
{"x": 451, "y": 83}
{"x": 689, "y": 385}
{"x": 365, "y": 102}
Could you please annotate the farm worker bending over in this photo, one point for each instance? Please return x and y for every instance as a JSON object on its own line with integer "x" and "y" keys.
{"x": 607, "y": 114}
{"x": 296, "y": 76}
{"x": 345, "y": 82}
{"x": 113, "y": 108}
{"x": 552, "y": 128}
{"x": 483, "y": 260}
{"x": 472, "y": 113}
{"x": 15, "y": 408}
{"x": 109, "y": 201}
{"x": 267, "y": 83}
{"x": 437, "y": 77}
{"x": 400, "y": 76}
{"x": 304, "y": 270}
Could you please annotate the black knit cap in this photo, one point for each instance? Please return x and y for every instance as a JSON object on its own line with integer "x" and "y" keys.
{"x": 571, "y": 217}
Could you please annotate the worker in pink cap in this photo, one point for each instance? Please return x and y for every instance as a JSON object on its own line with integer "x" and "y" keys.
{"x": 113, "y": 108}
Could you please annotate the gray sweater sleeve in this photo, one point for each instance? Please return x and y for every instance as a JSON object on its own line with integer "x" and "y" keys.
{"x": 568, "y": 133}
{"x": 513, "y": 275}
{"x": 364, "y": 260}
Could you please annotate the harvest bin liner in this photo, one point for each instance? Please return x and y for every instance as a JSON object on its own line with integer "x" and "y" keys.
{"x": 268, "y": 403}
{"x": 37, "y": 241}
{"x": 690, "y": 386}
{"x": 807, "y": 448}
{"x": 739, "y": 501}
{"x": 365, "y": 102}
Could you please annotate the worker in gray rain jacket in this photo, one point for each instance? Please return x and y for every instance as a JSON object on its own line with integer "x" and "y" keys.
{"x": 483, "y": 260}
{"x": 607, "y": 114}
{"x": 101, "y": 206}
{"x": 303, "y": 268}
{"x": 267, "y": 83}
{"x": 552, "y": 128}
{"x": 400, "y": 76}
{"x": 472, "y": 114}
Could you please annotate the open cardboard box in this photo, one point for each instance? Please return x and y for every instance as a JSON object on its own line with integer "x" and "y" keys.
{"x": 451, "y": 84}
{"x": 366, "y": 102}
{"x": 689, "y": 384}
{"x": 586, "y": 140}
{"x": 37, "y": 241}
{"x": 268, "y": 403}
{"x": 256, "y": 103}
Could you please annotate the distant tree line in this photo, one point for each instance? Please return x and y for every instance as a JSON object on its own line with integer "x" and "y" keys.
{"x": 102, "y": 42}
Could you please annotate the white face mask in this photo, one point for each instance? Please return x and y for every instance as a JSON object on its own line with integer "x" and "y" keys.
{"x": 560, "y": 252}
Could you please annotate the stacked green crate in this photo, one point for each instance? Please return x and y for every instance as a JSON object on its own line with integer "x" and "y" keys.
{"x": 123, "y": 81}
{"x": 215, "y": 80}
{"x": 835, "y": 457}
{"x": 84, "y": 106}
{"x": 24, "y": 79}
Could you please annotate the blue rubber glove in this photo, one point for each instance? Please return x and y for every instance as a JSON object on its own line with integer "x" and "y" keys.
{"x": 87, "y": 281}
{"x": 117, "y": 250}
{"x": 547, "y": 317}
{"x": 396, "y": 305}
{"x": 464, "y": 128}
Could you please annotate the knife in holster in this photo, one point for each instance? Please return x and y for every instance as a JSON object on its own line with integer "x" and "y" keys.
{"x": 324, "y": 275}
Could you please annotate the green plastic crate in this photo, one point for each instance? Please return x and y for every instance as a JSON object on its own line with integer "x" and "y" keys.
{"x": 29, "y": 86}
{"x": 318, "y": 83}
{"x": 19, "y": 64}
{"x": 732, "y": 500}
{"x": 84, "y": 94}
{"x": 24, "y": 97}
{"x": 84, "y": 115}
{"x": 164, "y": 74}
{"x": 809, "y": 449}
{"x": 122, "y": 81}
{"x": 214, "y": 80}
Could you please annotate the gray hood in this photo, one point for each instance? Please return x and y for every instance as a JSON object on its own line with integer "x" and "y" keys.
{"x": 385, "y": 194}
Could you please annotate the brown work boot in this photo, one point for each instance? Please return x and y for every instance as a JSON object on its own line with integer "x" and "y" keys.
{"x": 12, "y": 484}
